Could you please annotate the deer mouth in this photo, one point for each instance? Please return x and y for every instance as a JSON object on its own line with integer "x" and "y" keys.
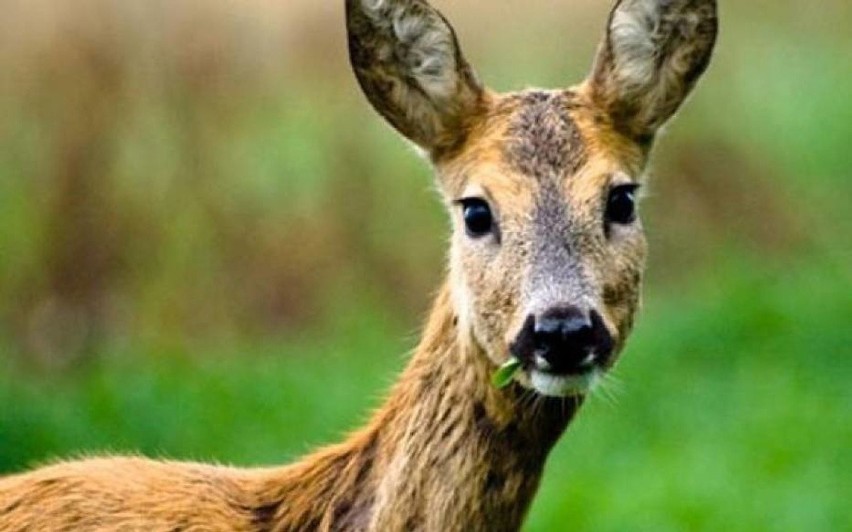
{"x": 551, "y": 384}
{"x": 559, "y": 380}
{"x": 564, "y": 352}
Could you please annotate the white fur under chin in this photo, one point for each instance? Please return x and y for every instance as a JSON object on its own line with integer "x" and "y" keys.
{"x": 551, "y": 385}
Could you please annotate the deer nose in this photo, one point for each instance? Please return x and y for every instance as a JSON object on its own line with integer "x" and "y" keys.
{"x": 567, "y": 340}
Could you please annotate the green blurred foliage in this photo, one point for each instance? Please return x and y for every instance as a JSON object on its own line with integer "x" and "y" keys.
{"x": 211, "y": 249}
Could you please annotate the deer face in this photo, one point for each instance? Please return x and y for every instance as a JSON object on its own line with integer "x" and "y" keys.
{"x": 547, "y": 249}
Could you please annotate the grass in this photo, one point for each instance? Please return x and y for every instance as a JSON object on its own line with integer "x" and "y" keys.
{"x": 732, "y": 413}
{"x": 733, "y": 416}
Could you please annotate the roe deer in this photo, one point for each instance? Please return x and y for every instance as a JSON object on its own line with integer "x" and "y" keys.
{"x": 546, "y": 260}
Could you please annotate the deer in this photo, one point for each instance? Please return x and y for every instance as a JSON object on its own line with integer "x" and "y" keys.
{"x": 545, "y": 266}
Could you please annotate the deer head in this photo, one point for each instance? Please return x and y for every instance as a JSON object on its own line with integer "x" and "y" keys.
{"x": 548, "y": 250}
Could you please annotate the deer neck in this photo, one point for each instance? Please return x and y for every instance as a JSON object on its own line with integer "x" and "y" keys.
{"x": 447, "y": 451}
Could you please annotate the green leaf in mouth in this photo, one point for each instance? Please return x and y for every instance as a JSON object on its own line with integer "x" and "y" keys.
{"x": 504, "y": 374}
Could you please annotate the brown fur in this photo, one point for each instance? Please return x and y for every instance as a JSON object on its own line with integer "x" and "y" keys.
{"x": 447, "y": 451}
{"x": 543, "y": 139}
{"x": 444, "y": 426}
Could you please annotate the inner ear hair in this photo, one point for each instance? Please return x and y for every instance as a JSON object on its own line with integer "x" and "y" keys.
{"x": 653, "y": 54}
{"x": 409, "y": 64}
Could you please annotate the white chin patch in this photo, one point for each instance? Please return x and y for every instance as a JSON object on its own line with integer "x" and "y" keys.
{"x": 562, "y": 385}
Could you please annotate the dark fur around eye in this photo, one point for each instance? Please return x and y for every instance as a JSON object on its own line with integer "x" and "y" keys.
{"x": 621, "y": 205}
{"x": 478, "y": 219}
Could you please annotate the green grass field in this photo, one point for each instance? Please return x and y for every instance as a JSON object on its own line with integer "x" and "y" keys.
{"x": 731, "y": 409}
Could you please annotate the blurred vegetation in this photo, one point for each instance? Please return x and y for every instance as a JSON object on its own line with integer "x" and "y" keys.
{"x": 211, "y": 249}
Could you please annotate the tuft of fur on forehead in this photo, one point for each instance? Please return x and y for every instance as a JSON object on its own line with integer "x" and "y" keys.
{"x": 542, "y": 139}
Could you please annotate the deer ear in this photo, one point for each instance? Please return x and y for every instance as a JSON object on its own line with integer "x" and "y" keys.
{"x": 652, "y": 55}
{"x": 407, "y": 60}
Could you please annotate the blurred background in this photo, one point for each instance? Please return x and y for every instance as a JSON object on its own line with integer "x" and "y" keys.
{"x": 210, "y": 248}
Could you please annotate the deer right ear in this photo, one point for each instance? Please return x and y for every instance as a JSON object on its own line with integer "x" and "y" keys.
{"x": 652, "y": 55}
{"x": 408, "y": 62}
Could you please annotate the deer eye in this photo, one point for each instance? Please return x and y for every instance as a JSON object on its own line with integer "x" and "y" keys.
{"x": 477, "y": 217}
{"x": 621, "y": 204}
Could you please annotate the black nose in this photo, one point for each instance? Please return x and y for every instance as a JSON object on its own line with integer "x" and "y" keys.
{"x": 567, "y": 339}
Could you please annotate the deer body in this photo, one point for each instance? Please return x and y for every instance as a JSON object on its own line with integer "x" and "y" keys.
{"x": 444, "y": 432}
{"x": 545, "y": 266}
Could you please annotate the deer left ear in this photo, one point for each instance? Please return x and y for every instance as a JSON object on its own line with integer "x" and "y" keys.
{"x": 652, "y": 56}
{"x": 408, "y": 62}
